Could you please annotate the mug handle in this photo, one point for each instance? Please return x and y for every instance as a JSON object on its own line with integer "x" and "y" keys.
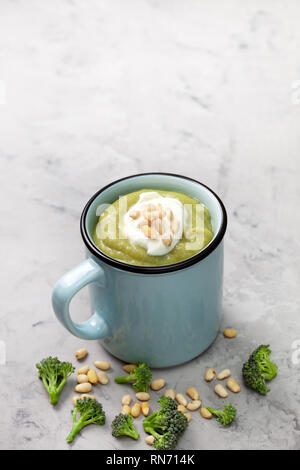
{"x": 64, "y": 290}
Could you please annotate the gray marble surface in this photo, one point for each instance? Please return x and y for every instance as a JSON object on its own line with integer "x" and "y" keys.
{"x": 93, "y": 91}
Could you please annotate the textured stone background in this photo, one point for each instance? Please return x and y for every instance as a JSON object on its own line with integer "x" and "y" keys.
{"x": 93, "y": 91}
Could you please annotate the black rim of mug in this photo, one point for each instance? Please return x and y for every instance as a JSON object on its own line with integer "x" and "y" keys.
{"x": 153, "y": 269}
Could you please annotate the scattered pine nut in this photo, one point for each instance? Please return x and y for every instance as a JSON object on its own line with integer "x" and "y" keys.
{"x": 181, "y": 408}
{"x": 81, "y": 353}
{"x": 157, "y": 384}
{"x": 129, "y": 367}
{"x": 145, "y": 408}
{"x": 136, "y": 410}
{"x": 194, "y": 405}
{"x": 233, "y": 385}
{"x": 223, "y": 374}
{"x": 126, "y": 399}
{"x": 142, "y": 396}
{"x": 102, "y": 365}
{"x": 209, "y": 374}
{"x": 92, "y": 376}
{"x": 220, "y": 390}
{"x": 74, "y": 399}
{"x": 188, "y": 416}
{"x": 180, "y": 398}
{"x": 192, "y": 392}
{"x": 83, "y": 388}
{"x": 85, "y": 395}
{"x": 149, "y": 440}
{"x": 126, "y": 410}
{"x": 83, "y": 370}
{"x": 230, "y": 333}
{"x": 205, "y": 413}
{"x": 102, "y": 377}
{"x": 82, "y": 378}
{"x": 170, "y": 393}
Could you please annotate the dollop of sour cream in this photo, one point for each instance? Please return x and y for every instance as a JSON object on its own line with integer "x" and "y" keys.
{"x": 155, "y": 222}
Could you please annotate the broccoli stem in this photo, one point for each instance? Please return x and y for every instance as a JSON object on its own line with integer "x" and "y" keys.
{"x": 53, "y": 397}
{"x": 54, "y": 391}
{"x": 123, "y": 380}
{"x": 77, "y": 426}
{"x": 132, "y": 433}
{"x": 151, "y": 431}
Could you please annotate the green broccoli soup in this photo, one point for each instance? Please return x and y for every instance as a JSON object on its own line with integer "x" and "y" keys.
{"x": 152, "y": 227}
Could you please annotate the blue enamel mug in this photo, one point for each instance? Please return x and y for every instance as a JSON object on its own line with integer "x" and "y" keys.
{"x": 162, "y": 315}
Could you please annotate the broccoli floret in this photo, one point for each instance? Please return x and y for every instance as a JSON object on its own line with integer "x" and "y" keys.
{"x": 90, "y": 412}
{"x": 166, "y": 424}
{"x": 258, "y": 369}
{"x": 167, "y": 403}
{"x": 261, "y": 356}
{"x": 225, "y": 416}
{"x": 141, "y": 377}
{"x": 54, "y": 375}
{"x": 253, "y": 377}
{"x": 166, "y": 441}
{"x": 122, "y": 425}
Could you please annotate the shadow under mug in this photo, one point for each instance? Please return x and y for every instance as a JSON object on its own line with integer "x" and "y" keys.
{"x": 162, "y": 315}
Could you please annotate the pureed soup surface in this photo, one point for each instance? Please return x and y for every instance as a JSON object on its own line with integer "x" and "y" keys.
{"x": 153, "y": 227}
